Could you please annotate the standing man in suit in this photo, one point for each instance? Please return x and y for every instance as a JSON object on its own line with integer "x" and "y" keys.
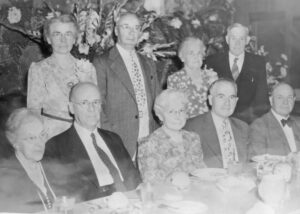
{"x": 99, "y": 157}
{"x": 277, "y": 132}
{"x": 247, "y": 70}
{"x": 224, "y": 139}
{"x": 128, "y": 85}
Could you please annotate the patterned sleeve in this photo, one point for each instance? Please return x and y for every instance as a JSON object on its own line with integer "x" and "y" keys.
{"x": 149, "y": 161}
{"x": 196, "y": 151}
{"x": 36, "y": 87}
{"x": 171, "y": 82}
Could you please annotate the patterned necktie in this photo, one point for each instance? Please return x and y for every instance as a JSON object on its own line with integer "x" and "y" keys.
{"x": 235, "y": 69}
{"x": 228, "y": 144}
{"x": 111, "y": 167}
{"x": 287, "y": 122}
{"x": 139, "y": 89}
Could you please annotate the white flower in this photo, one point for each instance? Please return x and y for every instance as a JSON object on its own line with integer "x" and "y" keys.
{"x": 51, "y": 14}
{"x": 269, "y": 67}
{"x": 283, "y": 72}
{"x": 196, "y": 23}
{"x": 213, "y": 17}
{"x": 81, "y": 19}
{"x": 176, "y": 23}
{"x": 283, "y": 56}
{"x": 83, "y": 69}
{"x": 14, "y": 15}
{"x": 83, "y": 48}
{"x": 155, "y": 5}
{"x": 144, "y": 36}
{"x": 92, "y": 20}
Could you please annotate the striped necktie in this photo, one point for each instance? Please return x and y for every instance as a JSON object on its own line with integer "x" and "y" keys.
{"x": 235, "y": 69}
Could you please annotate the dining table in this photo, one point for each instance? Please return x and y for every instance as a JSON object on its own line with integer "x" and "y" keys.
{"x": 205, "y": 192}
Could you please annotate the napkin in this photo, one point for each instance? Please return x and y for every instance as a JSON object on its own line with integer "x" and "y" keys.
{"x": 261, "y": 208}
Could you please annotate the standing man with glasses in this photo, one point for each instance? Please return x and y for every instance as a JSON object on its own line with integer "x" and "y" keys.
{"x": 99, "y": 158}
{"x": 247, "y": 70}
{"x": 224, "y": 139}
{"x": 128, "y": 85}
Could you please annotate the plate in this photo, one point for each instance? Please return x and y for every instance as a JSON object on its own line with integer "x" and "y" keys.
{"x": 268, "y": 158}
{"x": 187, "y": 207}
{"x": 235, "y": 184}
{"x": 209, "y": 174}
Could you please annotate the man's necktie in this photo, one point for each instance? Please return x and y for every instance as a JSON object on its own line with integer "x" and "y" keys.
{"x": 138, "y": 86}
{"x": 287, "y": 122}
{"x": 228, "y": 144}
{"x": 235, "y": 69}
{"x": 111, "y": 167}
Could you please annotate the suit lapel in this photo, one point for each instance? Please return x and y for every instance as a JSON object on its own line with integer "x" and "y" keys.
{"x": 238, "y": 139}
{"x": 277, "y": 132}
{"x": 119, "y": 68}
{"x": 296, "y": 131}
{"x": 81, "y": 156}
{"x": 226, "y": 66}
{"x": 212, "y": 137}
{"x": 148, "y": 79}
{"x": 111, "y": 145}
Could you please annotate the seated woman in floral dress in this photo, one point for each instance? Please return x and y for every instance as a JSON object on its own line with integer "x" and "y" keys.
{"x": 169, "y": 149}
{"x": 194, "y": 80}
{"x": 50, "y": 80}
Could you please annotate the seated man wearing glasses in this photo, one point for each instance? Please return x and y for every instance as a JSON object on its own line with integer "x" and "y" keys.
{"x": 128, "y": 83}
{"x": 101, "y": 162}
{"x": 224, "y": 139}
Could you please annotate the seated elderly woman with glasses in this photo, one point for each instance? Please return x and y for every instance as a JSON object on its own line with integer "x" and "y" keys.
{"x": 23, "y": 182}
{"x": 169, "y": 149}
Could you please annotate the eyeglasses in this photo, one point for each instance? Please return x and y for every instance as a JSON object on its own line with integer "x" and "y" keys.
{"x": 224, "y": 97}
{"x": 129, "y": 28}
{"x": 67, "y": 35}
{"x": 31, "y": 139}
{"x": 177, "y": 112}
{"x": 86, "y": 103}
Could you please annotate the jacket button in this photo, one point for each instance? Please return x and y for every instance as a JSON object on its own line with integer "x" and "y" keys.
{"x": 136, "y": 116}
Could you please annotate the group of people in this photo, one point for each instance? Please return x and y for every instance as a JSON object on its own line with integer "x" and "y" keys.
{"x": 91, "y": 129}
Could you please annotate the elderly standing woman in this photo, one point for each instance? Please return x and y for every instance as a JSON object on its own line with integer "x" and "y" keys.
{"x": 23, "y": 182}
{"x": 192, "y": 78}
{"x": 169, "y": 149}
{"x": 50, "y": 80}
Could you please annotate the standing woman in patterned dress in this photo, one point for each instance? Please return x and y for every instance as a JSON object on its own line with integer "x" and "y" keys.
{"x": 191, "y": 78}
{"x": 50, "y": 80}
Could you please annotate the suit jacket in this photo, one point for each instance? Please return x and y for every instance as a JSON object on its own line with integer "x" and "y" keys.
{"x": 205, "y": 127}
{"x": 267, "y": 136}
{"x": 120, "y": 112}
{"x": 68, "y": 149}
{"x": 251, "y": 82}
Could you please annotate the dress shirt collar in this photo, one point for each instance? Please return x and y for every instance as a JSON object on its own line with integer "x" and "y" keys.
{"x": 218, "y": 121}
{"x": 83, "y": 131}
{"x": 278, "y": 116}
{"x": 124, "y": 52}
{"x": 232, "y": 57}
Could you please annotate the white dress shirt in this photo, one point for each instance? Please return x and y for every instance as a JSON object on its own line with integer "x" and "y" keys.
{"x": 102, "y": 172}
{"x": 288, "y": 131}
{"x": 239, "y": 62}
{"x": 144, "y": 113}
{"x": 218, "y": 121}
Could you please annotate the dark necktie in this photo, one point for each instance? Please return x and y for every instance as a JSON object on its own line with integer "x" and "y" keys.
{"x": 287, "y": 122}
{"x": 235, "y": 69}
{"x": 111, "y": 167}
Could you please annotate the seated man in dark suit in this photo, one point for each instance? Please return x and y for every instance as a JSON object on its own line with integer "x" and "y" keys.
{"x": 99, "y": 156}
{"x": 247, "y": 70}
{"x": 224, "y": 139}
{"x": 276, "y": 132}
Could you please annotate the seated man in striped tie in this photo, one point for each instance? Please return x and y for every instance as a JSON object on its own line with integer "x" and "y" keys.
{"x": 277, "y": 132}
{"x": 224, "y": 139}
{"x": 99, "y": 157}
